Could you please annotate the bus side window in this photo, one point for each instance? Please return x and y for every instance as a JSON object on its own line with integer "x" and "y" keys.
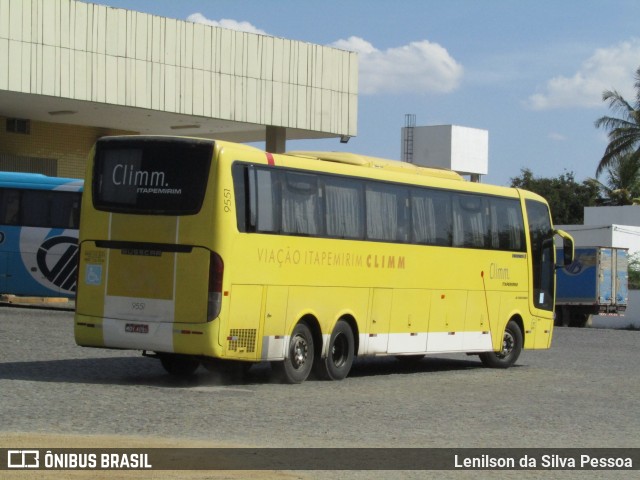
{"x": 430, "y": 217}
{"x": 263, "y": 188}
{"x": 9, "y": 207}
{"x": 387, "y": 212}
{"x": 257, "y": 199}
{"x": 65, "y": 209}
{"x": 470, "y": 220}
{"x": 344, "y": 209}
{"x": 302, "y": 205}
{"x": 240, "y": 174}
{"x": 507, "y": 225}
{"x": 36, "y": 207}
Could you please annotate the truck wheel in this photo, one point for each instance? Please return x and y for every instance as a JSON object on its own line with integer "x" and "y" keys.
{"x": 562, "y": 318}
{"x": 580, "y": 320}
{"x": 511, "y": 348}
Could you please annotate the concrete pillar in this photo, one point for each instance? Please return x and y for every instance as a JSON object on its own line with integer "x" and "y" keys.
{"x": 276, "y": 139}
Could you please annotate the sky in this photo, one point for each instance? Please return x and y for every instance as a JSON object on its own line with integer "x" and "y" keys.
{"x": 531, "y": 72}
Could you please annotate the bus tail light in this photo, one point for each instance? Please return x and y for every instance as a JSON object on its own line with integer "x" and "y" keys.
{"x": 216, "y": 271}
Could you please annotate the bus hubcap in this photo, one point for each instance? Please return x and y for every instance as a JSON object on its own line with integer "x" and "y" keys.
{"x": 300, "y": 351}
{"x": 507, "y": 344}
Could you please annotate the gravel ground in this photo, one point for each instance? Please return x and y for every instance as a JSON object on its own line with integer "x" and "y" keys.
{"x": 581, "y": 393}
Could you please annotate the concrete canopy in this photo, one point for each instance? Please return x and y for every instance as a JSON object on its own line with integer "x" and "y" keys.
{"x": 139, "y": 120}
{"x": 64, "y": 61}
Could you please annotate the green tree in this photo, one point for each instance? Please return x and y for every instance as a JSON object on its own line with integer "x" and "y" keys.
{"x": 624, "y": 131}
{"x": 567, "y": 198}
{"x": 623, "y": 182}
{"x": 634, "y": 271}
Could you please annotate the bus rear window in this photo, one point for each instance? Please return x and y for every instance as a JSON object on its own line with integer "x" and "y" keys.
{"x": 151, "y": 176}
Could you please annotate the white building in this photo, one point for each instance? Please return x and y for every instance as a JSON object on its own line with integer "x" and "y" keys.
{"x": 462, "y": 149}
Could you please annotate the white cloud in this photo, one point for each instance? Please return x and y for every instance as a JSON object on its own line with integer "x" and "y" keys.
{"x": 225, "y": 23}
{"x": 607, "y": 69}
{"x": 558, "y": 137}
{"x": 355, "y": 44}
{"x": 419, "y": 67}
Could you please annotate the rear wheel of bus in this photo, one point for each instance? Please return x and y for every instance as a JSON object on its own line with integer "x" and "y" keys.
{"x": 511, "y": 347}
{"x": 179, "y": 365}
{"x": 296, "y": 367}
{"x": 337, "y": 364}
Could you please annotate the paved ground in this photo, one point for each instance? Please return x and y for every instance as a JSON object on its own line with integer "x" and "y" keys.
{"x": 581, "y": 393}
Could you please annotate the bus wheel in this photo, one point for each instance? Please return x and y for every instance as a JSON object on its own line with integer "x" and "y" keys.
{"x": 337, "y": 364}
{"x": 297, "y": 366}
{"x": 179, "y": 365}
{"x": 511, "y": 348}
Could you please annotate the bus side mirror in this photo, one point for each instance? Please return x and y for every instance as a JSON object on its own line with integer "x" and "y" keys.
{"x": 567, "y": 246}
{"x": 567, "y": 250}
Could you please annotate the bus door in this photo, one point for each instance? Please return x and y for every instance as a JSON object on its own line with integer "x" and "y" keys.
{"x": 542, "y": 285}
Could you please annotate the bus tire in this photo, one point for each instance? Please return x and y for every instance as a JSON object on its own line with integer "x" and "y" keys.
{"x": 299, "y": 361}
{"x": 181, "y": 366}
{"x": 511, "y": 347}
{"x": 337, "y": 364}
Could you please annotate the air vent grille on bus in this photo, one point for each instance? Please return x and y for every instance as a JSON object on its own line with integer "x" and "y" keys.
{"x": 242, "y": 339}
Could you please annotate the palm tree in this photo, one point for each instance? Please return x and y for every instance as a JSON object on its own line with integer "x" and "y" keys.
{"x": 624, "y": 132}
{"x": 623, "y": 182}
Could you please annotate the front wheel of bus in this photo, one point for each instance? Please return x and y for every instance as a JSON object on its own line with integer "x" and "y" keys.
{"x": 297, "y": 366}
{"x": 337, "y": 364}
{"x": 179, "y": 365}
{"x": 511, "y": 348}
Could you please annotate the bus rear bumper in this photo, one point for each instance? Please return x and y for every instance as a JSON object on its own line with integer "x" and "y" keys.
{"x": 166, "y": 337}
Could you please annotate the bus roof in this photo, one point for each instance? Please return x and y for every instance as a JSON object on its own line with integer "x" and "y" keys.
{"x": 352, "y": 159}
{"x": 374, "y": 162}
{"x": 35, "y": 180}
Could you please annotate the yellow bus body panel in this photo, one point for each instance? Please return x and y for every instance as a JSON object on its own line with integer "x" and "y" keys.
{"x": 403, "y": 299}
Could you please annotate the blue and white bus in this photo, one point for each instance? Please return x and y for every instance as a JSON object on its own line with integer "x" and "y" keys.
{"x": 39, "y": 218}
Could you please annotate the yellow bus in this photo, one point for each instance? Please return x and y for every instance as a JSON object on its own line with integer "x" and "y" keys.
{"x": 202, "y": 252}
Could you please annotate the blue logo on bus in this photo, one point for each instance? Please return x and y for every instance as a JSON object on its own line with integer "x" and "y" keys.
{"x": 63, "y": 272}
